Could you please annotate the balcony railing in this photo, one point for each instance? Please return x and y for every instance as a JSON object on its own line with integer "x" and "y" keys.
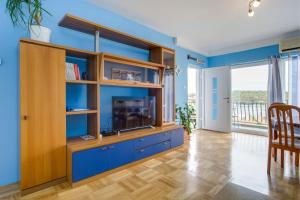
{"x": 245, "y": 114}
{"x": 249, "y": 114}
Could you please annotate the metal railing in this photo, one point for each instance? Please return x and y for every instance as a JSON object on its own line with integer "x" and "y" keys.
{"x": 253, "y": 114}
{"x": 245, "y": 114}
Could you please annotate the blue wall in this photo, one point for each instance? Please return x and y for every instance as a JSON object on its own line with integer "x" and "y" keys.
{"x": 9, "y": 70}
{"x": 243, "y": 56}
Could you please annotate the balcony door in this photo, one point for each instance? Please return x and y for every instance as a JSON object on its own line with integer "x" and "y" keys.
{"x": 249, "y": 98}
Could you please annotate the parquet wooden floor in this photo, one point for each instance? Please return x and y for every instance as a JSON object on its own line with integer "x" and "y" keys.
{"x": 198, "y": 170}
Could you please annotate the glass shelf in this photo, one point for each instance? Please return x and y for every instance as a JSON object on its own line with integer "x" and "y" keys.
{"x": 130, "y": 72}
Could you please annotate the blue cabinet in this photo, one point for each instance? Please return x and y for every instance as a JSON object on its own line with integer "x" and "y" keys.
{"x": 151, "y": 150}
{"x": 151, "y": 140}
{"x": 89, "y": 163}
{"x": 120, "y": 154}
{"x": 177, "y": 137}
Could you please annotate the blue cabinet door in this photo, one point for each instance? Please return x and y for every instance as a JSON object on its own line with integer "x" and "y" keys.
{"x": 146, "y": 141}
{"x": 120, "y": 154}
{"x": 163, "y": 146}
{"x": 151, "y": 150}
{"x": 151, "y": 140}
{"x": 89, "y": 163}
{"x": 165, "y": 136}
{"x": 177, "y": 137}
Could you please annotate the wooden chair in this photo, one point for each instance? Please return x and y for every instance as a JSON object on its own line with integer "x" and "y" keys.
{"x": 281, "y": 131}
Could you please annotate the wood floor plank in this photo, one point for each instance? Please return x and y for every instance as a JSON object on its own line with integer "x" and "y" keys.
{"x": 197, "y": 170}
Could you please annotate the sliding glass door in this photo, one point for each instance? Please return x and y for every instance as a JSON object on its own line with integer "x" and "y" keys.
{"x": 249, "y": 98}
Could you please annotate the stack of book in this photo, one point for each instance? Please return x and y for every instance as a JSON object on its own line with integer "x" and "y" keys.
{"x": 72, "y": 72}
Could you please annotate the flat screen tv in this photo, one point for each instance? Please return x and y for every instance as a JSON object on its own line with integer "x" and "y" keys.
{"x": 130, "y": 113}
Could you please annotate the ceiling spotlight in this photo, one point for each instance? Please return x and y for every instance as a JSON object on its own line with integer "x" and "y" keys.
{"x": 253, "y": 4}
{"x": 256, "y": 3}
{"x": 250, "y": 12}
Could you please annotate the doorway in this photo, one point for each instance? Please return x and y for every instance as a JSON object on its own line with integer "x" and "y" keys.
{"x": 249, "y": 98}
{"x": 217, "y": 107}
{"x": 195, "y": 93}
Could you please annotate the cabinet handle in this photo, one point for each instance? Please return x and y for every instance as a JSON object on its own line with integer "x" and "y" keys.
{"x": 104, "y": 148}
{"x": 142, "y": 150}
{"x": 142, "y": 139}
{"x": 25, "y": 117}
{"x": 111, "y": 147}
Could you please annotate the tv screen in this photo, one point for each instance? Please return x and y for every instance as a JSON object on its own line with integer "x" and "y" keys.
{"x": 131, "y": 113}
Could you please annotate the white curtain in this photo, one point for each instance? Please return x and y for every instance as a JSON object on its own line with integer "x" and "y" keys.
{"x": 168, "y": 96}
{"x": 293, "y": 63}
{"x": 275, "y": 81}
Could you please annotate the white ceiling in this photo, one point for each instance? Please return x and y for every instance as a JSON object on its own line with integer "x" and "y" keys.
{"x": 213, "y": 27}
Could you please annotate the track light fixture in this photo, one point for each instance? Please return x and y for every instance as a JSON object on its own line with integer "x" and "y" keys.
{"x": 253, "y": 4}
{"x": 250, "y": 12}
{"x": 256, "y": 3}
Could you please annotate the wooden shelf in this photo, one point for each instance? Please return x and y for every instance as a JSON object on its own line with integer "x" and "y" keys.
{"x": 88, "y": 27}
{"x": 83, "y": 112}
{"x": 81, "y": 82}
{"x": 70, "y": 51}
{"x": 169, "y": 123}
{"x": 129, "y": 84}
{"x": 130, "y": 61}
{"x": 79, "y": 140}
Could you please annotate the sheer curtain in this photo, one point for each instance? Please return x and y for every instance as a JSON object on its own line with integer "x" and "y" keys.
{"x": 275, "y": 81}
{"x": 293, "y": 64}
{"x": 168, "y": 96}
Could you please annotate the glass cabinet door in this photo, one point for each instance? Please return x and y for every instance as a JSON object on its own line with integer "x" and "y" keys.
{"x": 169, "y": 87}
{"x": 130, "y": 73}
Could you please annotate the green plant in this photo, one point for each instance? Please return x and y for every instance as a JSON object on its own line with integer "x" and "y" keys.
{"x": 27, "y": 12}
{"x": 184, "y": 114}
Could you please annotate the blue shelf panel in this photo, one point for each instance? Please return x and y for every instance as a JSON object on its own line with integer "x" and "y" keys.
{"x": 76, "y": 126}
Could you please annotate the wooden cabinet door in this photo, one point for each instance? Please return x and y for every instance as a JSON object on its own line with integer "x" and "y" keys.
{"x": 42, "y": 109}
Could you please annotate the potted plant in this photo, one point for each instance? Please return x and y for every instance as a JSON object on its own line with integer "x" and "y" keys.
{"x": 184, "y": 115}
{"x": 29, "y": 13}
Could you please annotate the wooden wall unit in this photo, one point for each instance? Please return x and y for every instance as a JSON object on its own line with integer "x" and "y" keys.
{"x": 42, "y": 110}
{"x": 165, "y": 57}
{"x": 43, "y": 101}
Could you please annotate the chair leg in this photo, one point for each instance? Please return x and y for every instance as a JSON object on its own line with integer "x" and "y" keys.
{"x": 275, "y": 154}
{"x": 297, "y": 158}
{"x": 269, "y": 159}
{"x": 282, "y": 158}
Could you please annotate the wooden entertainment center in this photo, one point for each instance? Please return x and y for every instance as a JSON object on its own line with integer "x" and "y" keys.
{"x": 47, "y": 155}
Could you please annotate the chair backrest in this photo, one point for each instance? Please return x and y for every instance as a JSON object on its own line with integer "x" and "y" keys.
{"x": 281, "y": 123}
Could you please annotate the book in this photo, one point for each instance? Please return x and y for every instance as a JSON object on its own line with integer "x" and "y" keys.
{"x": 72, "y": 72}
{"x": 78, "y": 72}
{"x": 70, "y": 75}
